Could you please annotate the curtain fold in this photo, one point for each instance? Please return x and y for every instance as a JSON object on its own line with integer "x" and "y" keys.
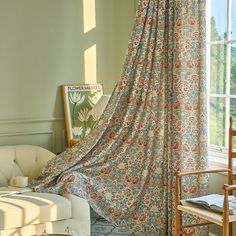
{"x": 154, "y": 124}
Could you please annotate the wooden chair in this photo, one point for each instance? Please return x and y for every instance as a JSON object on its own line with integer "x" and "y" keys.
{"x": 225, "y": 220}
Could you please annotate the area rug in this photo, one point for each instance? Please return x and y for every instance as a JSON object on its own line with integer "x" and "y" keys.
{"x": 101, "y": 227}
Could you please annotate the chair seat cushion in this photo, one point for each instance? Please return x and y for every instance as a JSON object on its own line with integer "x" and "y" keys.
{"x": 32, "y": 208}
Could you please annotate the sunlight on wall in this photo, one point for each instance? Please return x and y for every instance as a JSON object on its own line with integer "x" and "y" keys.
{"x": 90, "y": 54}
{"x": 89, "y": 15}
{"x": 90, "y": 64}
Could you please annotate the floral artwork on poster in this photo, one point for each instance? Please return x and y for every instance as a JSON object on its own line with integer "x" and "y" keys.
{"x": 78, "y": 103}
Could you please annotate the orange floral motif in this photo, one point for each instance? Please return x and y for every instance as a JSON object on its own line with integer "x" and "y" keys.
{"x": 189, "y": 64}
{"x": 178, "y": 64}
{"x": 71, "y": 178}
{"x": 128, "y": 178}
{"x": 179, "y": 22}
{"x": 93, "y": 196}
{"x": 191, "y": 21}
{"x": 105, "y": 170}
{"x": 135, "y": 217}
{"x": 135, "y": 180}
{"x": 176, "y": 105}
{"x": 195, "y": 148}
{"x": 142, "y": 218}
{"x": 188, "y": 106}
{"x": 176, "y": 145}
{"x": 113, "y": 136}
{"x": 111, "y": 210}
{"x": 71, "y": 159}
{"x": 186, "y": 148}
{"x": 127, "y": 139}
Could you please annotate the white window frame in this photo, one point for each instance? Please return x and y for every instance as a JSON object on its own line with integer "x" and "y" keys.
{"x": 218, "y": 154}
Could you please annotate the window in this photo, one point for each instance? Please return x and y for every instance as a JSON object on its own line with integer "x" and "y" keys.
{"x": 221, "y": 71}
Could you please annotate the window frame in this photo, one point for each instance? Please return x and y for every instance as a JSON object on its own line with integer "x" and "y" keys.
{"x": 219, "y": 152}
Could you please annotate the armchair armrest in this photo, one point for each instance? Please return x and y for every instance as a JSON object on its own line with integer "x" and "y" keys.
{"x": 196, "y": 172}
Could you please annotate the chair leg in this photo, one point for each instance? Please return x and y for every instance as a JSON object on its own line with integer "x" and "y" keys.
{"x": 177, "y": 222}
{"x": 226, "y": 229}
{"x": 230, "y": 229}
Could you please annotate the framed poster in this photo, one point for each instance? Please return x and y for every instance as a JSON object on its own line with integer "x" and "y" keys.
{"x": 78, "y": 101}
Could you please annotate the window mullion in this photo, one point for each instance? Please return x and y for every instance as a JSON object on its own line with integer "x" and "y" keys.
{"x": 227, "y": 100}
{"x": 229, "y": 20}
{"x": 208, "y": 64}
{"x": 228, "y": 56}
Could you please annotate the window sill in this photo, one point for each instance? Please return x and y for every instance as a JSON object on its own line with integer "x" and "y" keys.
{"x": 218, "y": 163}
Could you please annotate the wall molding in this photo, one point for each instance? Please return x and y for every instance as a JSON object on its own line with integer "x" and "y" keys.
{"x": 27, "y": 121}
{"x": 27, "y": 133}
{"x": 51, "y": 133}
{"x": 46, "y": 131}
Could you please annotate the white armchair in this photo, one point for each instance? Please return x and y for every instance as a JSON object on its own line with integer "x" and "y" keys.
{"x": 34, "y": 213}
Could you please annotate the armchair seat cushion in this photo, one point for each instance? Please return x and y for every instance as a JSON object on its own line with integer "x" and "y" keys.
{"x": 32, "y": 208}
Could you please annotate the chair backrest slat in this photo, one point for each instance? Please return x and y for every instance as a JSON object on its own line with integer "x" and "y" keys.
{"x": 231, "y": 152}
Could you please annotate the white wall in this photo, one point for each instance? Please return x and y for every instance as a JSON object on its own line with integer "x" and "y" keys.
{"x": 42, "y": 46}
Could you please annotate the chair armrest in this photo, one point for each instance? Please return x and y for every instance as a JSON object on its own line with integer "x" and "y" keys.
{"x": 229, "y": 187}
{"x": 199, "y": 172}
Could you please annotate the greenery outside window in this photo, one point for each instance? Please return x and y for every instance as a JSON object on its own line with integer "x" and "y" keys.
{"x": 221, "y": 72}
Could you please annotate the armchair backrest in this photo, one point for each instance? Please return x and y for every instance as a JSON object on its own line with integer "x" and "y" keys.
{"x": 22, "y": 160}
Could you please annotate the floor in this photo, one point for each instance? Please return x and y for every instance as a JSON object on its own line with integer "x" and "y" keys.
{"x": 101, "y": 227}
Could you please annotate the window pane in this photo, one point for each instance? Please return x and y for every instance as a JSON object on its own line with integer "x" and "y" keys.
{"x": 233, "y": 69}
{"x": 218, "y": 69}
{"x": 217, "y": 121}
{"x": 233, "y": 20}
{"x": 218, "y": 20}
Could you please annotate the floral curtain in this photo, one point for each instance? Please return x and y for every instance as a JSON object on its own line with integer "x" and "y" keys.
{"x": 153, "y": 125}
